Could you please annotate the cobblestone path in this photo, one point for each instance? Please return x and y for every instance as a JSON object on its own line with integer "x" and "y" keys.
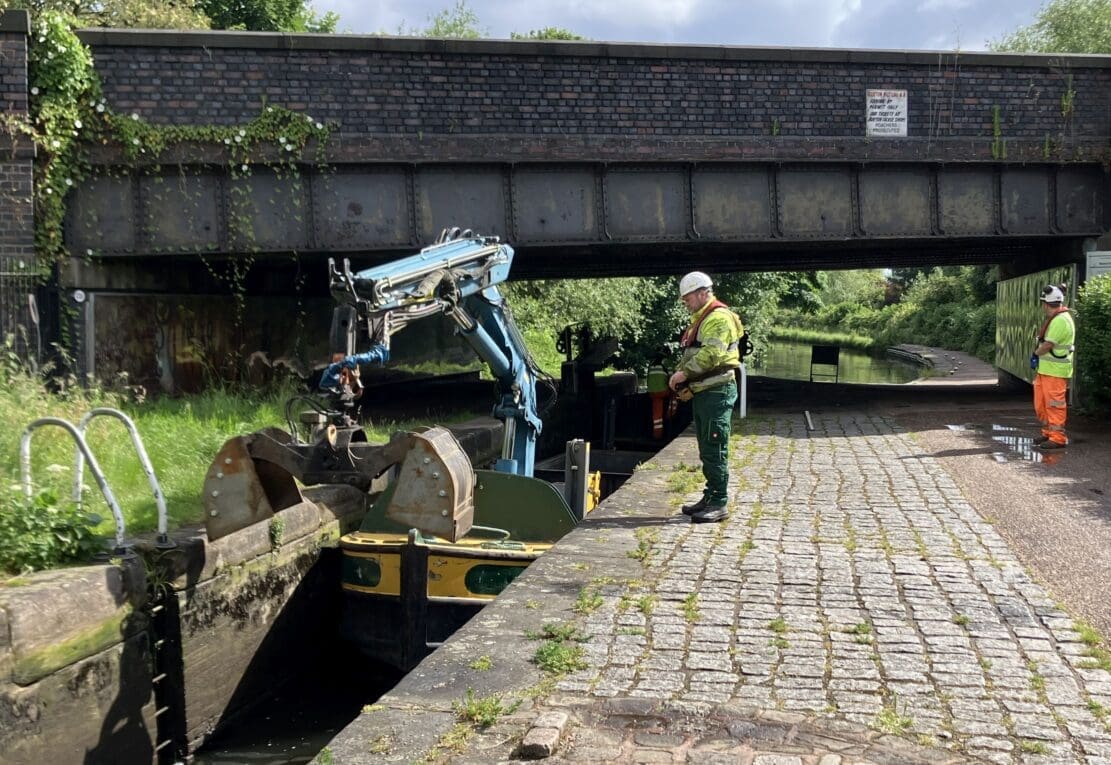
{"x": 852, "y": 582}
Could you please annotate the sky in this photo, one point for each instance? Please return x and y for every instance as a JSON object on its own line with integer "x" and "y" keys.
{"x": 900, "y": 24}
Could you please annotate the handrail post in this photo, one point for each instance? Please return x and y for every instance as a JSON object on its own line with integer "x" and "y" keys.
{"x": 98, "y": 474}
{"x": 163, "y": 540}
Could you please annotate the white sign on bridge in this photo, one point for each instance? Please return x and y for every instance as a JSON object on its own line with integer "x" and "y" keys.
{"x": 886, "y": 113}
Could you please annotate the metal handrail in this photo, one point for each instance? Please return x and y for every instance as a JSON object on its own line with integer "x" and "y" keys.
{"x": 83, "y": 448}
{"x": 144, "y": 460}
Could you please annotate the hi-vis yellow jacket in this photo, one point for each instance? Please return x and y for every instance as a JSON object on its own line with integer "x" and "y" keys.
{"x": 717, "y": 344}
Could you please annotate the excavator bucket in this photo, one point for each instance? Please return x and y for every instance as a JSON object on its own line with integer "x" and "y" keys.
{"x": 435, "y": 486}
{"x": 239, "y": 491}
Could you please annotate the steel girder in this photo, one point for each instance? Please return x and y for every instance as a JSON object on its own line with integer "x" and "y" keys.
{"x": 368, "y": 208}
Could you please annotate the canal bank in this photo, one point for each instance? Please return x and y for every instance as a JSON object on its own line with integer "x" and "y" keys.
{"x": 857, "y": 606}
{"x": 142, "y": 658}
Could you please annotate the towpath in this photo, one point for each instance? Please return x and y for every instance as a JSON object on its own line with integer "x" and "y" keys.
{"x": 856, "y": 607}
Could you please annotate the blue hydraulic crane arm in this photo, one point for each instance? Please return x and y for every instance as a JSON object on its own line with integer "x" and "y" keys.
{"x": 458, "y": 277}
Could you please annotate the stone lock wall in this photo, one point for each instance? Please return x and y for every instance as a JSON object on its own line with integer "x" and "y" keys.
{"x": 80, "y": 657}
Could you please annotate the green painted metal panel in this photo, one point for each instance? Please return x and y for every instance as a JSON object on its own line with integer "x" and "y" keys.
{"x": 491, "y": 580}
{"x": 363, "y": 572}
{"x": 1018, "y": 316}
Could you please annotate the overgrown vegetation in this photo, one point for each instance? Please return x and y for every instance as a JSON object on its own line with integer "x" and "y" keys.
{"x": 41, "y": 532}
{"x": 483, "y": 711}
{"x": 560, "y": 652}
{"x": 181, "y": 435}
{"x": 952, "y": 307}
{"x": 1093, "y": 342}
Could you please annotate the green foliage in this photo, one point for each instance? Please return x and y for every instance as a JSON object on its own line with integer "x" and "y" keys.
{"x": 483, "y": 712}
{"x": 181, "y": 435}
{"x": 621, "y": 308}
{"x": 460, "y": 21}
{"x": 951, "y": 307}
{"x": 65, "y": 94}
{"x": 267, "y": 16}
{"x": 68, "y": 114}
{"x": 40, "y": 532}
{"x": 817, "y": 337}
{"x": 1093, "y": 342}
{"x": 1063, "y": 26}
{"x": 546, "y": 33}
{"x": 691, "y": 611}
{"x": 558, "y": 658}
{"x": 123, "y": 14}
{"x": 482, "y": 664}
{"x": 890, "y": 721}
{"x": 865, "y": 286}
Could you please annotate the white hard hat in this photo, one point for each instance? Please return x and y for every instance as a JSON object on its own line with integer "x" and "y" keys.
{"x": 695, "y": 280}
{"x": 1052, "y": 294}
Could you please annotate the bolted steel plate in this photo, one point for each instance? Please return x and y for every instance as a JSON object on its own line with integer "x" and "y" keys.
{"x": 361, "y": 209}
{"x": 894, "y": 201}
{"x": 732, "y": 203}
{"x": 553, "y": 204}
{"x": 181, "y": 211}
{"x": 815, "y": 202}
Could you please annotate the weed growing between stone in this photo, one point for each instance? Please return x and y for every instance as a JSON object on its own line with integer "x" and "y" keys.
{"x": 485, "y": 711}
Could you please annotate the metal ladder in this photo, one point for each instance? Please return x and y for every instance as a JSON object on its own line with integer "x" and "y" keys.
{"x": 85, "y": 454}
{"x": 165, "y": 634}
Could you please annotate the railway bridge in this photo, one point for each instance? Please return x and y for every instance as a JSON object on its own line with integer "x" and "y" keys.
{"x": 592, "y": 159}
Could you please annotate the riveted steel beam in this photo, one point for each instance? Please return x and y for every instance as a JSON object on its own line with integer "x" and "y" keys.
{"x": 363, "y": 209}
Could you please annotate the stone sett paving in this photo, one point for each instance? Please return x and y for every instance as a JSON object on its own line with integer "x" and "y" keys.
{"x": 852, "y": 586}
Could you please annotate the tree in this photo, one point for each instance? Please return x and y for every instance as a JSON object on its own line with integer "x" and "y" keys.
{"x": 863, "y": 287}
{"x": 546, "y": 33}
{"x": 1063, "y": 26}
{"x": 122, "y": 14}
{"x": 459, "y": 22}
{"x": 267, "y": 16}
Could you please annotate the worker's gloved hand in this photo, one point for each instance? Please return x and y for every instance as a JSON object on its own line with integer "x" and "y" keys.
{"x": 330, "y": 379}
{"x": 677, "y": 379}
{"x": 1033, "y": 361}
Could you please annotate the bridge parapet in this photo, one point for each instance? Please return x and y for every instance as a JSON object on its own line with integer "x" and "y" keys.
{"x": 600, "y": 98}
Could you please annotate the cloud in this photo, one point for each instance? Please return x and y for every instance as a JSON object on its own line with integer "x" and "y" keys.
{"x": 898, "y": 24}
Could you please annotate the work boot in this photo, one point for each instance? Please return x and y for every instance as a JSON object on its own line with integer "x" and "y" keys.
{"x": 1040, "y": 440}
{"x": 694, "y": 508}
{"x": 710, "y": 514}
{"x": 1051, "y": 445}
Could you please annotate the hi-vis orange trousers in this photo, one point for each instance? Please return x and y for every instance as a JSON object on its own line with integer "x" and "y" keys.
{"x": 1051, "y": 406}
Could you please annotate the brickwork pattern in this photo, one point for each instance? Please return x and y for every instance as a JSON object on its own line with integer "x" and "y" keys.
{"x": 391, "y": 92}
{"x": 855, "y": 583}
{"x": 13, "y": 73}
{"x": 17, "y": 234}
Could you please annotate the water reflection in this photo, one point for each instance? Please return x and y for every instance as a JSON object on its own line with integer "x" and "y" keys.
{"x": 788, "y": 360}
{"x": 1019, "y": 447}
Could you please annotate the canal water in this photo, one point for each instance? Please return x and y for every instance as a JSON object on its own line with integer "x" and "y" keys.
{"x": 325, "y": 694}
{"x": 787, "y": 360}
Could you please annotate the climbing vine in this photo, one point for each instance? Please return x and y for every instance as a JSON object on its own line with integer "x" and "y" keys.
{"x": 69, "y": 115}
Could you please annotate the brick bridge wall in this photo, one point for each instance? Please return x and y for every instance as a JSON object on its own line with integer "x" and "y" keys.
{"x": 17, "y": 254}
{"x": 554, "y": 100}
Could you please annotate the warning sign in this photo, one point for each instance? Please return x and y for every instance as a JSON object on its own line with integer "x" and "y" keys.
{"x": 886, "y": 113}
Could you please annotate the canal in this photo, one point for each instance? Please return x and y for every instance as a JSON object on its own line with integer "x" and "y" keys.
{"x": 790, "y": 360}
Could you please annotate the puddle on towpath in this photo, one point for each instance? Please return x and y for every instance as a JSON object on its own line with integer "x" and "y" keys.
{"x": 1019, "y": 447}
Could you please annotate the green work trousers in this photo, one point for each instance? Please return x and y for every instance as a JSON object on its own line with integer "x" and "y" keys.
{"x": 713, "y": 413}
